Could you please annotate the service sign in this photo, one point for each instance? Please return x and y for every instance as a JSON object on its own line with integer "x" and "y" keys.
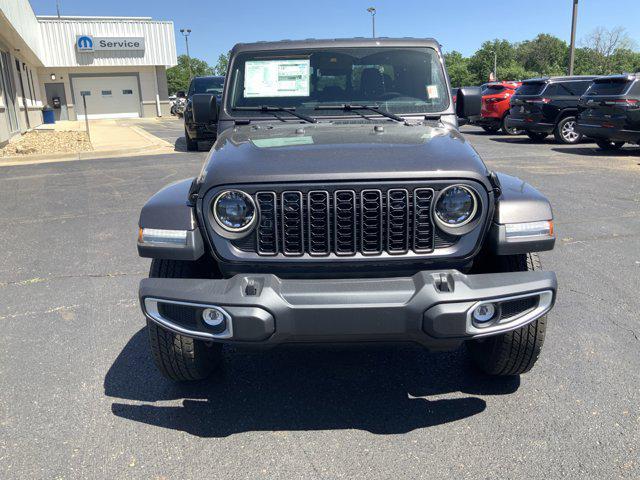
{"x": 89, "y": 43}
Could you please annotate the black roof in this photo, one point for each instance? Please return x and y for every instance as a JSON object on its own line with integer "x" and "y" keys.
{"x": 625, "y": 77}
{"x": 336, "y": 43}
{"x": 572, "y": 78}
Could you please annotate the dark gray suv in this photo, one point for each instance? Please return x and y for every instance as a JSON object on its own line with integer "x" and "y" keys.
{"x": 340, "y": 203}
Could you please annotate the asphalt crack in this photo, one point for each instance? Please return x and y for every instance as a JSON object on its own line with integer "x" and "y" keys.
{"x": 594, "y": 297}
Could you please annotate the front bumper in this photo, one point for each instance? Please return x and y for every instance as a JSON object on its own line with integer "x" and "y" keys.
{"x": 433, "y": 308}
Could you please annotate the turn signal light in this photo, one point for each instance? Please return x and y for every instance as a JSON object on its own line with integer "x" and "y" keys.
{"x": 155, "y": 235}
{"x": 529, "y": 229}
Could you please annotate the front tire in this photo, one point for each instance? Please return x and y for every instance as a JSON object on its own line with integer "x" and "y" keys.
{"x": 192, "y": 145}
{"x": 565, "y": 132}
{"x": 490, "y": 128}
{"x": 609, "y": 145}
{"x": 509, "y": 130}
{"x": 180, "y": 358}
{"x": 516, "y": 352}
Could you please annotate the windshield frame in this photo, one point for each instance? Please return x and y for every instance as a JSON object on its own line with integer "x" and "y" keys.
{"x": 229, "y": 113}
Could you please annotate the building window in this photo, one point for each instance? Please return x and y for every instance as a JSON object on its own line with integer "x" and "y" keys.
{"x": 106, "y": 93}
{"x": 85, "y": 93}
{"x": 35, "y": 93}
{"x": 127, "y": 92}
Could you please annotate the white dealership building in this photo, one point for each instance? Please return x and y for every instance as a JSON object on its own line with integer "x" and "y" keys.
{"x": 116, "y": 64}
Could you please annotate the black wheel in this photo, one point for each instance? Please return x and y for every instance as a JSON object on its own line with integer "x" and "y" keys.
{"x": 181, "y": 358}
{"x": 514, "y": 352}
{"x": 609, "y": 145}
{"x": 490, "y": 128}
{"x": 509, "y": 130}
{"x": 192, "y": 145}
{"x": 536, "y": 136}
{"x": 565, "y": 131}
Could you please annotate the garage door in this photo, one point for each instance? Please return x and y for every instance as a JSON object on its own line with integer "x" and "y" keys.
{"x": 107, "y": 97}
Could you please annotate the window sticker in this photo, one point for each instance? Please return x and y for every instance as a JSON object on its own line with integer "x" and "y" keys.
{"x": 277, "y": 78}
{"x": 432, "y": 92}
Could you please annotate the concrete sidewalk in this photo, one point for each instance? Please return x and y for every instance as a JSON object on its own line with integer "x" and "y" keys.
{"x": 109, "y": 138}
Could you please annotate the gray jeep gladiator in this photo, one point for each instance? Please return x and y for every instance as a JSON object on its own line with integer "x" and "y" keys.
{"x": 340, "y": 203}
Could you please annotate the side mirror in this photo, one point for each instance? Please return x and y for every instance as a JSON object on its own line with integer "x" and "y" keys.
{"x": 469, "y": 103}
{"x": 205, "y": 108}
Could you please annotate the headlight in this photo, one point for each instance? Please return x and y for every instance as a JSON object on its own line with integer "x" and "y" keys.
{"x": 234, "y": 211}
{"x": 456, "y": 206}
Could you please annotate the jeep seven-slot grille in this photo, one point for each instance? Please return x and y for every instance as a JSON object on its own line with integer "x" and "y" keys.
{"x": 345, "y": 222}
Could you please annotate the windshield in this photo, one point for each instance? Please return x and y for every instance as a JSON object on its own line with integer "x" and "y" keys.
{"x": 397, "y": 80}
{"x": 207, "y": 85}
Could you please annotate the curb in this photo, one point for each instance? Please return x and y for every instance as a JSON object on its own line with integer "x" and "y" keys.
{"x": 153, "y": 149}
{"x": 156, "y": 141}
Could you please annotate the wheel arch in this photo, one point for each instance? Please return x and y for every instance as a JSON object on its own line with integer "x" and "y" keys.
{"x": 170, "y": 209}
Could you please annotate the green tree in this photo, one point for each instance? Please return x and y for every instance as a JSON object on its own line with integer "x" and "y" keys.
{"x": 608, "y": 51}
{"x": 223, "y": 63}
{"x": 544, "y": 55}
{"x": 178, "y": 76}
{"x": 482, "y": 62}
{"x": 458, "y": 68}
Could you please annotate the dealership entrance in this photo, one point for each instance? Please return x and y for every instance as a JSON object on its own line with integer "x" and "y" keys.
{"x": 109, "y": 96}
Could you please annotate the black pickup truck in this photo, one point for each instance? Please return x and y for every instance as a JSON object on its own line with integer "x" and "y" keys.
{"x": 340, "y": 203}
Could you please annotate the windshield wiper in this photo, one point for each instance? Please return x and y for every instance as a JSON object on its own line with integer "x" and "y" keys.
{"x": 272, "y": 110}
{"x": 372, "y": 108}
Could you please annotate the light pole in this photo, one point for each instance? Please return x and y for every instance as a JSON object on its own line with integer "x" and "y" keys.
{"x": 495, "y": 65}
{"x": 372, "y": 11}
{"x": 572, "y": 49}
{"x": 185, "y": 33}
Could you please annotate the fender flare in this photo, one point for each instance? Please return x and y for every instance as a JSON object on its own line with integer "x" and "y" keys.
{"x": 518, "y": 202}
{"x": 566, "y": 112}
{"x": 170, "y": 209}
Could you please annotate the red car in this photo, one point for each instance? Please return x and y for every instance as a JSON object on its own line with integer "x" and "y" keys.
{"x": 495, "y": 107}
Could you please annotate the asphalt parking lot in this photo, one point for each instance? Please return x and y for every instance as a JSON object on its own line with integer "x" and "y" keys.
{"x": 80, "y": 398}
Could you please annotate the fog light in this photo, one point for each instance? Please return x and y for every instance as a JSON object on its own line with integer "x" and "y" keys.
{"x": 215, "y": 319}
{"x": 485, "y": 312}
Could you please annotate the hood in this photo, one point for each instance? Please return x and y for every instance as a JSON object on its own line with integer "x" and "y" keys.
{"x": 341, "y": 150}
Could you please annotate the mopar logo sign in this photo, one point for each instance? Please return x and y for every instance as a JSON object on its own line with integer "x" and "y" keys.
{"x": 84, "y": 43}
{"x": 89, "y": 43}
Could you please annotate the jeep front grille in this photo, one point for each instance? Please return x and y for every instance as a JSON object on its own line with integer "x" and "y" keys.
{"x": 345, "y": 222}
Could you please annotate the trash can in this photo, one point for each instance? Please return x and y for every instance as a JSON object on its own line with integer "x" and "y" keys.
{"x": 48, "y": 115}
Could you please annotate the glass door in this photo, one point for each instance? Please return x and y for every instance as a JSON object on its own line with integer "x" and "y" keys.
{"x": 9, "y": 91}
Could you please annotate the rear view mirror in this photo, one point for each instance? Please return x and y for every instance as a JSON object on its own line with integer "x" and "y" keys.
{"x": 469, "y": 102}
{"x": 205, "y": 108}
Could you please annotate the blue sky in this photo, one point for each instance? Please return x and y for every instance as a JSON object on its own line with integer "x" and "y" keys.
{"x": 459, "y": 25}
